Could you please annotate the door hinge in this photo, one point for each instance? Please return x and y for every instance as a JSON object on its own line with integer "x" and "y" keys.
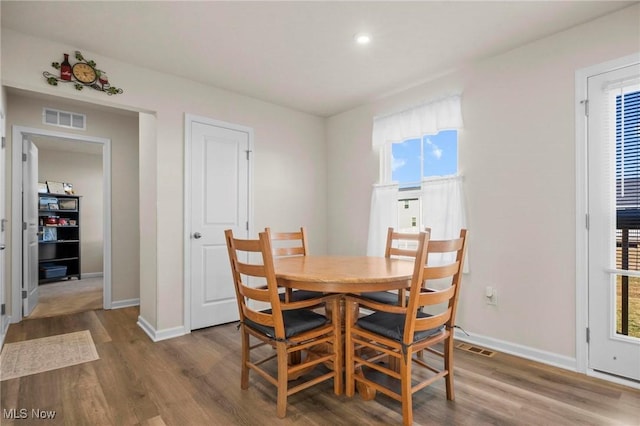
{"x": 4, "y": 142}
{"x": 248, "y": 152}
{"x": 586, "y": 221}
{"x": 24, "y": 157}
{"x": 3, "y": 309}
{"x": 2, "y": 224}
{"x": 586, "y": 106}
{"x": 24, "y": 226}
{"x": 247, "y": 226}
{"x": 24, "y": 294}
{"x": 588, "y": 335}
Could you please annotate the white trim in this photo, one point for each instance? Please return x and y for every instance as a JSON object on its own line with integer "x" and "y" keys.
{"x": 16, "y": 211}
{"x": 582, "y": 261}
{"x": 165, "y": 334}
{"x": 188, "y": 119}
{"x": 92, "y": 275}
{"x": 614, "y": 379}
{"x": 118, "y": 304}
{"x": 544, "y": 357}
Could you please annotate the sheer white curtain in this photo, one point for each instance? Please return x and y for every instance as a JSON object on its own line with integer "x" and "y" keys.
{"x": 442, "y": 198}
{"x": 384, "y": 214}
{"x": 443, "y": 211}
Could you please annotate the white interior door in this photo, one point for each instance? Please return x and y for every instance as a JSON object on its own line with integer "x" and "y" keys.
{"x": 219, "y": 194}
{"x": 614, "y": 221}
{"x": 30, "y": 227}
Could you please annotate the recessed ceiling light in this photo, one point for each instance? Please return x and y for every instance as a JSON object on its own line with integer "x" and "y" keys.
{"x": 362, "y": 38}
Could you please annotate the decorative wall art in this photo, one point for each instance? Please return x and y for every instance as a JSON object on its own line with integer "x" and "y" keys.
{"x": 55, "y": 187}
{"x": 82, "y": 73}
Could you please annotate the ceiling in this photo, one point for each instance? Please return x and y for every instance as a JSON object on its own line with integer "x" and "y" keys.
{"x": 300, "y": 54}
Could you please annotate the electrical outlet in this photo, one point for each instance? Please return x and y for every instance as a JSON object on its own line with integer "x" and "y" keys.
{"x": 491, "y": 296}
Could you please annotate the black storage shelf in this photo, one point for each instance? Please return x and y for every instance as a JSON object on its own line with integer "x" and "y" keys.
{"x": 59, "y": 245}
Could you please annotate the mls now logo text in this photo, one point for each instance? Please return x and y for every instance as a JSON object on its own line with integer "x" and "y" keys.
{"x": 24, "y": 413}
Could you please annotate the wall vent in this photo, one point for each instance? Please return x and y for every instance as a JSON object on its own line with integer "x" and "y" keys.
{"x": 476, "y": 350}
{"x": 66, "y": 119}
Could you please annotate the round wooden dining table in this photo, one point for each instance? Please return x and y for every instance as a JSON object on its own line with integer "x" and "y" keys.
{"x": 343, "y": 274}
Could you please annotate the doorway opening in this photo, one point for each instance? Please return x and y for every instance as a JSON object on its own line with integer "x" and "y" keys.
{"x": 70, "y": 254}
{"x": 83, "y": 295}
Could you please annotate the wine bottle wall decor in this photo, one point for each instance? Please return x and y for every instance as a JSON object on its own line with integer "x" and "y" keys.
{"x": 83, "y": 73}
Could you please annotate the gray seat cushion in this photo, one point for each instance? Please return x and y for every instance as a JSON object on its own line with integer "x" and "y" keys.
{"x": 295, "y": 322}
{"x": 385, "y": 297}
{"x": 298, "y": 295}
{"x": 392, "y": 326}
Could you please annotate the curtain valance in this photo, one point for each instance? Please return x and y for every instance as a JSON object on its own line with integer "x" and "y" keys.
{"x": 415, "y": 122}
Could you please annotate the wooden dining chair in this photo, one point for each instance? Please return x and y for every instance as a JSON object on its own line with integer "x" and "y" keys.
{"x": 290, "y": 328}
{"x": 402, "y": 333}
{"x": 291, "y": 244}
{"x": 399, "y": 245}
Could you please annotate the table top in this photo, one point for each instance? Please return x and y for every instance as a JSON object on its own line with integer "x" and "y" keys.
{"x": 343, "y": 274}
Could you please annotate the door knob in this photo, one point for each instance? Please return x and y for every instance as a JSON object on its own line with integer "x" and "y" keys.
{"x": 197, "y": 235}
{"x": 2, "y": 246}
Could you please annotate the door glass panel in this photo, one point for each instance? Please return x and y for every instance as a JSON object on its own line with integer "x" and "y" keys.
{"x": 627, "y": 136}
{"x": 628, "y": 305}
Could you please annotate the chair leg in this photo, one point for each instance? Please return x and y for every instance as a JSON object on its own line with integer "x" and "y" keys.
{"x": 337, "y": 348}
{"x": 244, "y": 374}
{"x": 283, "y": 377}
{"x": 405, "y": 384}
{"x": 448, "y": 365}
{"x": 349, "y": 349}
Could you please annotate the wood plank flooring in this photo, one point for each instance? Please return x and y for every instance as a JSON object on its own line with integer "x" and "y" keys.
{"x": 195, "y": 380}
{"x": 67, "y": 297}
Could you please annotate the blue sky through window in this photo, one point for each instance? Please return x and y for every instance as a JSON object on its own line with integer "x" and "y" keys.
{"x": 433, "y": 155}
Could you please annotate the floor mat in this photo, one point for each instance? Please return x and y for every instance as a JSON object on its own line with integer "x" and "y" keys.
{"x": 48, "y": 353}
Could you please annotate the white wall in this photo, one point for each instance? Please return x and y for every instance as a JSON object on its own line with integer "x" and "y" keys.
{"x": 518, "y": 158}
{"x": 290, "y": 157}
{"x": 84, "y": 171}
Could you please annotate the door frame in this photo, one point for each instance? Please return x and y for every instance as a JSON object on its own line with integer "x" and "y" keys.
{"x": 582, "y": 220}
{"x": 4, "y": 261}
{"x": 18, "y": 132}
{"x": 188, "y": 120}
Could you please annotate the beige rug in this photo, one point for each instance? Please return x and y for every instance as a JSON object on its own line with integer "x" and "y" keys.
{"x": 45, "y": 354}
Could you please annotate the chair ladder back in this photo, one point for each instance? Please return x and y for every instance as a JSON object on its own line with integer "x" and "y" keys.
{"x": 421, "y": 296}
{"x": 281, "y": 250}
{"x": 399, "y": 238}
{"x": 266, "y": 294}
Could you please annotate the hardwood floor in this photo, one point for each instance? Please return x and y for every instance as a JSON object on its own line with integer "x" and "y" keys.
{"x": 67, "y": 297}
{"x": 195, "y": 380}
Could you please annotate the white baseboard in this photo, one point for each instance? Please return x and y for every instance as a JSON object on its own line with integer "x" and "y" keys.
{"x": 92, "y": 275}
{"x": 550, "y": 358}
{"x": 125, "y": 303}
{"x": 158, "y": 335}
{"x": 615, "y": 379}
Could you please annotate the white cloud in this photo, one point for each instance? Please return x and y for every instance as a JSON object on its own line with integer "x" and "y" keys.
{"x": 397, "y": 163}
{"x": 436, "y": 151}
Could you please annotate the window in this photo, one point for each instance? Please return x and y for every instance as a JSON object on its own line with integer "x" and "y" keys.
{"x": 431, "y": 156}
{"x": 412, "y": 161}
{"x": 419, "y": 184}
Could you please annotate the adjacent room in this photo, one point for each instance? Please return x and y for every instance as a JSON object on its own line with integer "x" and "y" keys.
{"x": 224, "y": 212}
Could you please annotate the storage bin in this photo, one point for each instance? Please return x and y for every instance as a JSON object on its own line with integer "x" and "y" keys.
{"x": 53, "y": 271}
